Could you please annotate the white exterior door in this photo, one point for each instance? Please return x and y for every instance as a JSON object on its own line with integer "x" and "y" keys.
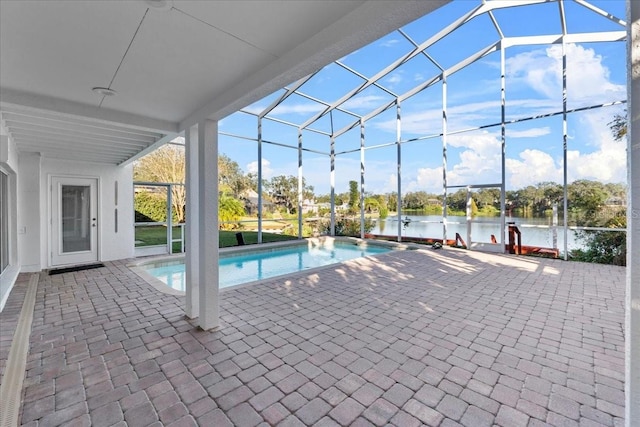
{"x": 74, "y": 220}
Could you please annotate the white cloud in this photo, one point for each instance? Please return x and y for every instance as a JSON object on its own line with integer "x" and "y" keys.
{"x": 390, "y": 43}
{"x": 532, "y": 167}
{"x": 608, "y": 161}
{"x": 480, "y": 159}
{"x": 364, "y": 102}
{"x": 394, "y": 79}
{"x": 267, "y": 172}
{"x": 528, "y": 133}
{"x": 430, "y": 121}
{"x": 588, "y": 79}
{"x": 427, "y": 179}
{"x": 298, "y": 109}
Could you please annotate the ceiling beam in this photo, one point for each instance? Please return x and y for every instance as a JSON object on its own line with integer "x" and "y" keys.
{"x": 40, "y": 133}
{"x": 14, "y": 126}
{"x": 20, "y": 114}
{"x": 10, "y": 98}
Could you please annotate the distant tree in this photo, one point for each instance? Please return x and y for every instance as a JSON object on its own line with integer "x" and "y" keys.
{"x": 283, "y": 191}
{"x": 586, "y": 196}
{"x": 392, "y": 202}
{"x": 341, "y": 198}
{"x": 323, "y": 198}
{"x": 231, "y": 179}
{"x": 487, "y": 197}
{"x": 458, "y": 200}
{"x": 552, "y": 193}
{"x": 415, "y": 200}
{"x": 383, "y": 210}
{"x": 371, "y": 204}
{"x": 354, "y": 197}
{"x": 166, "y": 164}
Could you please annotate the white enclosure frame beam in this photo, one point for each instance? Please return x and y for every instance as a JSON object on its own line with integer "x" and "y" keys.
{"x": 362, "y": 141}
{"x": 565, "y": 177}
{"x": 259, "y": 189}
{"x": 444, "y": 159}
{"x": 332, "y": 180}
{"x": 399, "y": 167}
{"x": 632, "y": 303}
{"x": 503, "y": 148}
{"x": 300, "y": 182}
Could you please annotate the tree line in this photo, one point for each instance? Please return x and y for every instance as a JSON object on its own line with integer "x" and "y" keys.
{"x": 238, "y": 193}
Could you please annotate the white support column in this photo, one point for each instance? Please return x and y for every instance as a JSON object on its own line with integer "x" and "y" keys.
{"x": 192, "y": 268}
{"x": 632, "y": 306}
{"x": 208, "y": 224}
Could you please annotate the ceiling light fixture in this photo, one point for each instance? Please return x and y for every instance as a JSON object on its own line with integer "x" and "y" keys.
{"x": 160, "y": 5}
{"x": 104, "y": 91}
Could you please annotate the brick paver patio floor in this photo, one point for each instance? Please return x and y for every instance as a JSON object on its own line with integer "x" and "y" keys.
{"x": 438, "y": 338}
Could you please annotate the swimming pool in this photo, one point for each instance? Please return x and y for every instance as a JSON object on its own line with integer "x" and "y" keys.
{"x": 248, "y": 266}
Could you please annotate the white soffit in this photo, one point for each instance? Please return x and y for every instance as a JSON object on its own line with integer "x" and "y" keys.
{"x": 200, "y": 59}
{"x": 71, "y": 137}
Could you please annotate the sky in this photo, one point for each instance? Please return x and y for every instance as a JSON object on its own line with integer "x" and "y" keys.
{"x": 596, "y": 74}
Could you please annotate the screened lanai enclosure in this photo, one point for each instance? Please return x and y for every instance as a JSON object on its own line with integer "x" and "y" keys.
{"x": 485, "y": 97}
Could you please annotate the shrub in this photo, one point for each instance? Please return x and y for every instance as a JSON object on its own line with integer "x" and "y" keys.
{"x": 346, "y": 226}
{"x": 150, "y": 207}
{"x": 230, "y": 210}
{"x": 604, "y": 247}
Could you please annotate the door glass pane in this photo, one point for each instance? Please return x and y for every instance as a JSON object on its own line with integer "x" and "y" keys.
{"x": 76, "y": 218}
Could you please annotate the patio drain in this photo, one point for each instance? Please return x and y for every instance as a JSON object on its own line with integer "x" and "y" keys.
{"x": 11, "y": 387}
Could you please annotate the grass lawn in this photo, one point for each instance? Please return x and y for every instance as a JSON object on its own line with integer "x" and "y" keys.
{"x": 157, "y": 235}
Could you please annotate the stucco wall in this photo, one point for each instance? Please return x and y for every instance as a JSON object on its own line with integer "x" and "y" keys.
{"x": 29, "y": 212}
{"x": 9, "y": 165}
{"x": 112, "y": 244}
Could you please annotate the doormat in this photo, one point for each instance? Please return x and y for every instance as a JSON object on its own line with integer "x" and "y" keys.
{"x": 76, "y": 268}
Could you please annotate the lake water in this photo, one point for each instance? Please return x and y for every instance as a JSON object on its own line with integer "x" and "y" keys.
{"x": 535, "y": 231}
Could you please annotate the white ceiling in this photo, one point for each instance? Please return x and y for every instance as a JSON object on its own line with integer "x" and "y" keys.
{"x": 197, "y": 60}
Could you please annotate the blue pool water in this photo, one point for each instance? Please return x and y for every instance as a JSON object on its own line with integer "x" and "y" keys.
{"x": 243, "y": 268}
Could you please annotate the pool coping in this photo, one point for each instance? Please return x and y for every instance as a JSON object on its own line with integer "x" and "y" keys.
{"x": 138, "y": 269}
